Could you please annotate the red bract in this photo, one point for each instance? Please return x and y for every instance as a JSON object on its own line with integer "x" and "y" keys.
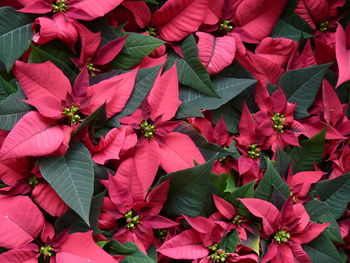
{"x": 215, "y": 53}
{"x": 290, "y": 228}
{"x": 176, "y": 19}
{"x": 201, "y": 243}
{"x": 250, "y": 143}
{"x": 49, "y": 90}
{"x": 58, "y": 27}
{"x": 158, "y": 144}
{"x": 75, "y": 9}
{"x": 19, "y": 226}
{"x": 342, "y": 50}
{"x": 92, "y": 55}
{"x": 229, "y": 218}
{"x": 136, "y": 218}
{"x": 218, "y": 135}
{"x": 282, "y": 129}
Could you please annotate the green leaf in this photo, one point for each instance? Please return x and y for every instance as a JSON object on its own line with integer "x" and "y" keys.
{"x": 193, "y": 102}
{"x": 144, "y": 82}
{"x": 209, "y": 150}
{"x": 12, "y": 109}
{"x": 253, "y": 241}
{"x": 270, "y": 181}
{"x": 245, "y": 191}
{"x": 137, "y": 46}
{"x": 72, "y": 177}
{"x": 190, "y": 52}
{"x": 320, "y": 212}
{"x": 229, "y": 242}
{"x": 230, "y": 114}
{"x": 301, "y": 87}
{"x": 322, "y": 250}
{"x": 290, "y": 25}
{"x": 129, "y": 249}
{"x": 283, "y": 163}
{"x": 6, "y": 89}
{"x": 190, "y": 70}
{"x": 310, "y": 153}
{"x": 15, "y": 35}
{"x": 98, "y": 115}
{"x": 336, "y": 193}
{"x": 76, "y": 223}
{"x": 189, "y": 191}
{"x": 58, "y": 54}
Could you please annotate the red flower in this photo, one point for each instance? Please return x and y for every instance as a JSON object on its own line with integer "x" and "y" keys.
{"x": 290, "y": 228}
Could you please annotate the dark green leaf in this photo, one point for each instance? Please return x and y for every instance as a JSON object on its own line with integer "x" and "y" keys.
{"x": 77, "y": 224}
{"x": 290, "y": 25}
{"x": 230, "y": 114}
{"x": 12, "y": 109}
{"x": 72, "y": 177}
{"x": 301, "y": 87}
{"x": 144, "y": 82}
{"x": 282, "y": 163}
{"x": 270, "y": 181}
{"x": 229, "y": 242}
{"x": 5, "y": 89}
{"x": 58, "y": 54}
{"x": 209, "y": 150}
{"x": 310, "y": 153}
{"x": 98, "y": 115}
{"x": 253, "y": 241}
{"x": 245, "y": 191}
{"x": 137, "y": 46}
{"x": 320, "y": 213}
{"x": 132, "y": 252}
{"x": 336, "y": 193}
{"x": 322, "y": 250}
{"x": 15, "y": 35}
{"x": 193, "y": 102}
{"x": 189, "y": 191}
{"x": 190, "y": 70}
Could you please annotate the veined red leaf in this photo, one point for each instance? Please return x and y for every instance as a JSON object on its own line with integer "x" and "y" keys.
{"x": 263, "y": 209}
{"x": 178, "y": 152}
{"x": 177, "y": 19}
{"x": 138, "y": 172}
{"x": 20, "y": 221}
{"x": 115, "y": 92}
{"x": 164, "y": 96}
{"x": 186, "y": 245}
{"x": 215, "y": 53}
{"x": 34, "y": 135}
{"x": 44, "y": 79}
{"x": 81, "y": 248}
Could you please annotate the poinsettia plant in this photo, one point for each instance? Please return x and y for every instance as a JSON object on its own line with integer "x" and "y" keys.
{"x": 199, "y": 131}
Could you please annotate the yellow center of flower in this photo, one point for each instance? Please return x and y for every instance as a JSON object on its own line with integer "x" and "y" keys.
{"x": 217, "y": 254}
{"x": 282, "y": 236}
{"x": 60, "y": 6}
{"x": 47, "y": 250}
{"x": 33, "y": 181}
{"x": 147, "y": 129}
{"x": 151, "y": 31}
{"x": 161, "y": 233}
{"x": 253, "y": 151}
{"x": 132, "y": 219}
{"x": 226, "y": 25}
{"x": 90, "y": 67}
{"x": 72, "y": 113}
{"x": 238, "y": 220}
{"x": 278, "y": 120}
